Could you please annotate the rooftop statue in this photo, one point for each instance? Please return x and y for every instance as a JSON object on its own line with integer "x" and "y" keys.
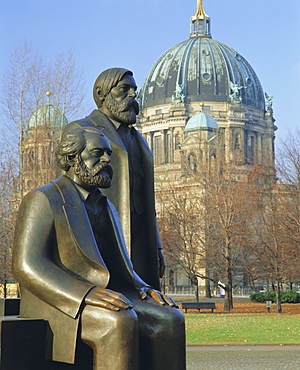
{"x": 179, "y": 95}
{"x": 269, "y": 101}
{"x": 235, "y": 96}
{"x": 71, "y": 261}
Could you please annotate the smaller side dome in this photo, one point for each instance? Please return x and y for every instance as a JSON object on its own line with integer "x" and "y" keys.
{"x": 48, "y": 116}
{"x": 201, "y": 121}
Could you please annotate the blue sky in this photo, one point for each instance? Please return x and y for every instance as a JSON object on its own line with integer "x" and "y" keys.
{"x": 134, "y": 33}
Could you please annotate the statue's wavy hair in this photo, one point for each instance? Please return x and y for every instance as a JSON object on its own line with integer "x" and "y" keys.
{"x": 106, "y": 81}
{"x": 71, "y": 146}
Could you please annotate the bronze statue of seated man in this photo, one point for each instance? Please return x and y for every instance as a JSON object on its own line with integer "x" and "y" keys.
{"x": 70, "y": 259}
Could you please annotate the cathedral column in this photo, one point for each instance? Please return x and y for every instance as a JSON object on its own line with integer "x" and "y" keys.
{"x": 259, "y": 148}
{"x": 228, "y": 143}
{"x": 172, "y": 144}
{"x": 242, "y": 143}
{"x": 163, "y": 146}
{"x": 150, "y": 142}
{"x": 148, "y": 139}
{"x": 270, "y": 153}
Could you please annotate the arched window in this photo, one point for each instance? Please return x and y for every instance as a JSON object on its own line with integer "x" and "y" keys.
{"x": 236, "y": 143}
{"x": 177, "y": 141}
{"x": 168, "y": 148}
{"x": 251, "y": 148}
{"x": 157, "y": 149}
{"x": 192, "y": 162}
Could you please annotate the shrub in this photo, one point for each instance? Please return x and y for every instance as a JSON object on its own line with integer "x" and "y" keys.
{"x": 291, "y": 296}
{"x": 286, "y": 297}
{"x": 258, "y": 297}
{"x": 270, "y": 296}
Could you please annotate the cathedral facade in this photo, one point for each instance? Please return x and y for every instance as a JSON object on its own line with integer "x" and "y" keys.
{"x": 200, "y": 88}
{"x": 198, "y": 94}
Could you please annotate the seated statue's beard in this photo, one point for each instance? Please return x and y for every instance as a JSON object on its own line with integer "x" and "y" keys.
{"x": 99, "y": 176}
{"x": 125, "y": 111}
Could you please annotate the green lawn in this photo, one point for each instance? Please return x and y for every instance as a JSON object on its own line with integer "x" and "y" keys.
{"x": 237, "y": 329}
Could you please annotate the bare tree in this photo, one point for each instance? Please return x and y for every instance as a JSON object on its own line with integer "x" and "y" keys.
{"x": 26, "y": 81}
{"x": 274, "y": 247}
{"x": 23, "y": 90}
{"x": 7, "y": 215}
{"x": 277, "y": 248}
{"x": 24, "y": 86}
{"x": 205, "y": 223}
{"x": 288, "y": 169}
{"x": 270, "y": 245}
{"x": 181, "y": 222}
{"x": 229, "y": 212}
{"x": 65, "y": 81}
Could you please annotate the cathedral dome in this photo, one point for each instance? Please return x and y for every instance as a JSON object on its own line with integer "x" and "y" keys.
{"x": 47, "y": 116}
{"x": 201, "y": 121}
{"x": 201, "y": 69}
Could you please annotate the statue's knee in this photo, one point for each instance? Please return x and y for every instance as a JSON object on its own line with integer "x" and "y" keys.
{"x": 126, "y": 320}
{"x": 170, "y": 320}
{"x": 123, "y": 322}
{"x": 99, "y": 322}
{"x": 176, "y": 317}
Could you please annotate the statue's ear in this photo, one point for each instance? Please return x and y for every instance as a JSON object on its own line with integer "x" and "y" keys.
{"x": 98, "y": 90}
{"x": 71, "y": 160}
{"x": 98, "y": 97}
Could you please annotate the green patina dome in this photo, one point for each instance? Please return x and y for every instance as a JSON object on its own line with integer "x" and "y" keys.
{"x": 201, "y": 121}
{"x": 48, "y": 116}
{"x": 201, "y": 69}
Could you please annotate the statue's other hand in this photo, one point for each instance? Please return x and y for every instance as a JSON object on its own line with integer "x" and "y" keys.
{"x": 108, "y": 299}
{"x": 158, "y": 296}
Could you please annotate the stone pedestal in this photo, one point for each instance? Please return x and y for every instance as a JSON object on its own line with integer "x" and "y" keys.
{"x": 9, "y": 306}
{"x": 22, "y": 343}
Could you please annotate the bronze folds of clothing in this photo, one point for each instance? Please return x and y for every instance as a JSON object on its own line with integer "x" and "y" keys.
{"x": 57, "y": 261}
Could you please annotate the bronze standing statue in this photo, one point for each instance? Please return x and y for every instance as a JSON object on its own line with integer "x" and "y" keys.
{"x": 132, "y": 191}
{"x": 70, "y": 259}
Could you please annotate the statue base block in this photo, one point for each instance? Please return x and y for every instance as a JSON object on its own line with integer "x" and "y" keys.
{"x": 22, "y": 343}
{"x": 9, "y": 306}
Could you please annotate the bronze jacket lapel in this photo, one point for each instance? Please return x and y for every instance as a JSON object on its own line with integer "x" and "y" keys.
{"x": 106, "y": 126}
{"x": 79, "y": 225}
{"x": 92, "y": 264}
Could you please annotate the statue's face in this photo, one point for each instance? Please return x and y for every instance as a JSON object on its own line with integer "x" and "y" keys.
{"x": 120, "y": 104}
{"x": 92, "y": 167}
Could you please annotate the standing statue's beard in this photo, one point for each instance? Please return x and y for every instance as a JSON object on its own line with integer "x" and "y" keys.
{"x": 100, "y": 175}
{"x": 125, "y": 111}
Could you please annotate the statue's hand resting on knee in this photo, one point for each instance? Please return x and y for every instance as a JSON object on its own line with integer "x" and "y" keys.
{"x": 157, "y": 296}
{"x": 115, "y": 301}
{"x": 108, "y": 299}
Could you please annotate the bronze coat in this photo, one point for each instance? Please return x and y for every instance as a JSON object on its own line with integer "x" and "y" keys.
{"x": 57, "y": 261}
{"x": 119, "y": 192}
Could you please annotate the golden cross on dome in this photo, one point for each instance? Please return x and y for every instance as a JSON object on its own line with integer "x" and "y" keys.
{"x": 200, "y": 22}
{"x": 200, "y": 13}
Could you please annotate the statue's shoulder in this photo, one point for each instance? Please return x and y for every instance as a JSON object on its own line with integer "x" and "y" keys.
{"x": 78, "y": 123}
{"x": 36, "y": 203}
{"x": 96, "y": 119}
{"x": 53, "y": 190}
{"x": 42, "y": 193}
{"x": 48, "y": 196}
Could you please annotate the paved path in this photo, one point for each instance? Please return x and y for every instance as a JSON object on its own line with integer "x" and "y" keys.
{"x": 260, "y": 357}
